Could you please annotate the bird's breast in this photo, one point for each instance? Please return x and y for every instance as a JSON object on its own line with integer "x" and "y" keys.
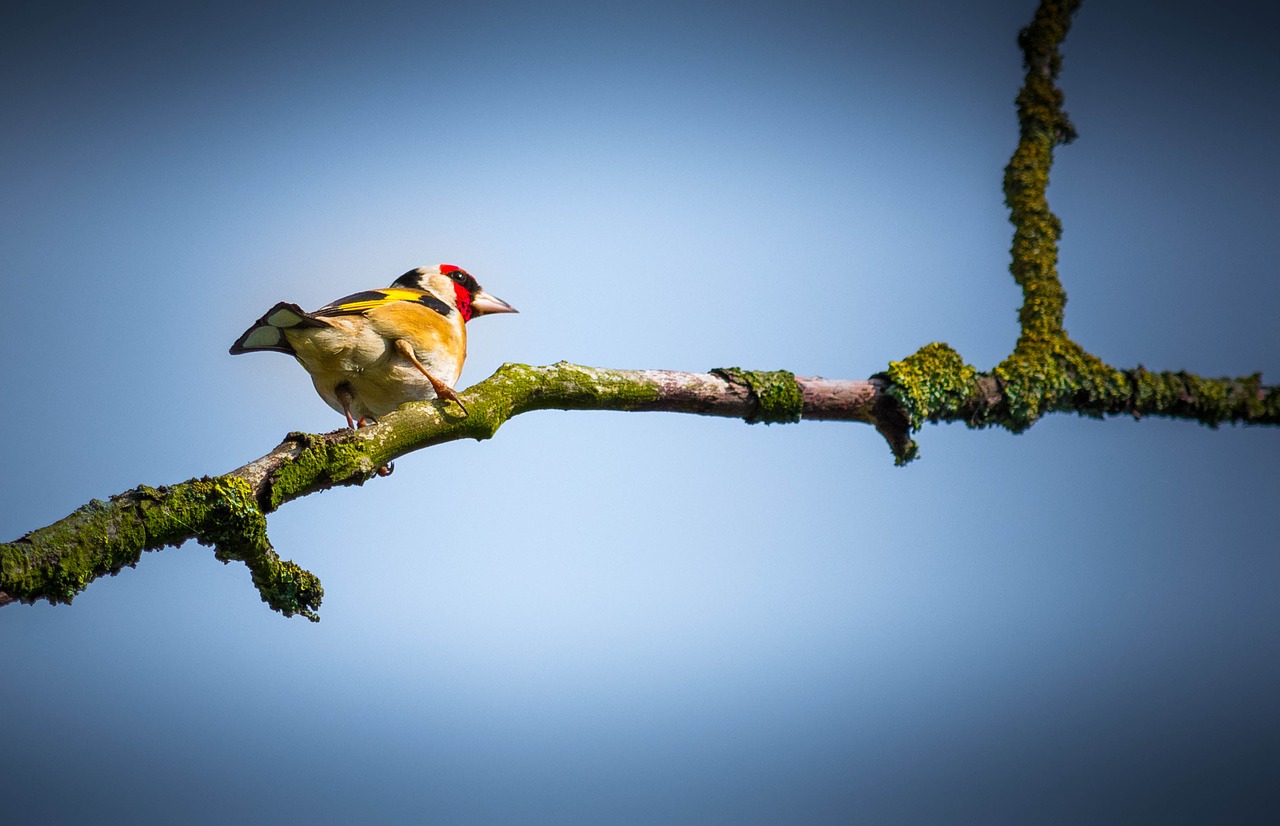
{"x": 358, "y": 352}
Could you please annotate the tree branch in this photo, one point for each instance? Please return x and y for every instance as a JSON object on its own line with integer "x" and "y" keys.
{"x": 228, "y": 512}
{"x": 1046, "y": 372}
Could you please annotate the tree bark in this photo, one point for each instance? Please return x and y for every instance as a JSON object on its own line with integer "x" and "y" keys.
{"x": 1047, "y": 372}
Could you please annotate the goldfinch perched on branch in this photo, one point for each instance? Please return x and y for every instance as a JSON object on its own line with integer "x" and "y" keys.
{"x": 370, "y": 352}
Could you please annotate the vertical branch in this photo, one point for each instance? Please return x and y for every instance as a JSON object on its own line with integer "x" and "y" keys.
{"x": 1042, "y": 125}
{"x": 1047, "y": 370}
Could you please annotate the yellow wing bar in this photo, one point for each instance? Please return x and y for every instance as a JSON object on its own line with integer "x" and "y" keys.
{"x": 368, "y": 300}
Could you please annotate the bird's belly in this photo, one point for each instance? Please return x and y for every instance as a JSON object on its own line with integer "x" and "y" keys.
{"x": 377, "y": 378}
{"x": 383, "y": 388}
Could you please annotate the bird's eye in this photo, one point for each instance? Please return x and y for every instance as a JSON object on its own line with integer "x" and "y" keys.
{"x": 463, "y": 279}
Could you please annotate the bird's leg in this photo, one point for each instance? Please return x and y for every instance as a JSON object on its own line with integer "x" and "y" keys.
{"x": 443, "y": 391}
{"x": 345, "y": 397}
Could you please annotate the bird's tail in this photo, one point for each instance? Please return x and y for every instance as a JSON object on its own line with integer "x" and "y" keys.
{"x": 265, "y": 334}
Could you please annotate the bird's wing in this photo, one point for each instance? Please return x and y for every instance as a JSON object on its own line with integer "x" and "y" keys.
{"x": 361, "y": 303}
{"x": 266, "y": 333}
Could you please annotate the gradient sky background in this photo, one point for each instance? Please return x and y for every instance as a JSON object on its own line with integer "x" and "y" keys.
{"x": 644, "y": 618}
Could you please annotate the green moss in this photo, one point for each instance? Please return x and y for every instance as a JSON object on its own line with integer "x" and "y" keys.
{"x": 287, "y": 587}
{"x": 1042, "y": 125}
{"x": 1053, "y": 373}
{"x": 777, "y": 396}
{"x": 514, "y": 381}
{"x": 584, "y": 388}
{"x": 1047, "y": 370}
{"x": 56, "y": 562}
{"x": 511, "y": 390}
{"x": 223, "y": 512}
{"x": 932, "y": 384}
{"x": 1210, "y": 401}
{"x": 321, "y": 463}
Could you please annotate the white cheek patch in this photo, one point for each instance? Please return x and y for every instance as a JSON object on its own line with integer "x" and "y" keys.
{"x": 263, "y": 337}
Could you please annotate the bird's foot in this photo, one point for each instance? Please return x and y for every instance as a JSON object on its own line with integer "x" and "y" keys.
{"x": 443, "y": 391}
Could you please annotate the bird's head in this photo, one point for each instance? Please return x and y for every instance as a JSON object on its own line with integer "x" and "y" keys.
{"x": 456, "y": 287}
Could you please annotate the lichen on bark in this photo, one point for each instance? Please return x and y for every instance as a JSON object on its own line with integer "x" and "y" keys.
{"x": 775, "y": 394}
{"x": 932, "y": 384}
{"x": 222, "y": 512}
{"x": 1046, "y": 372}
{"x": 323, "y": 461}
{"x": 56, "y": 562}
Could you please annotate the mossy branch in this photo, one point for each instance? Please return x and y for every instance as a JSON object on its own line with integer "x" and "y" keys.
{"x": 57, "y": 562}
{"x": 1046, "y": 372}
{"x": 228, "y": 512}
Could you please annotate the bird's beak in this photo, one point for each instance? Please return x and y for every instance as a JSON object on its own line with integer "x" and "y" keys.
{"x": 482, "y": 303}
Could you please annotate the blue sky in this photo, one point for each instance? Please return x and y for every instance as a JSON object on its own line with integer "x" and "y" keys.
{"x": 644, "y": 618}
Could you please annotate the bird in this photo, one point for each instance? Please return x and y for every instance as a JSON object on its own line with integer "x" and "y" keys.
{"x": 372, "y": 351}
